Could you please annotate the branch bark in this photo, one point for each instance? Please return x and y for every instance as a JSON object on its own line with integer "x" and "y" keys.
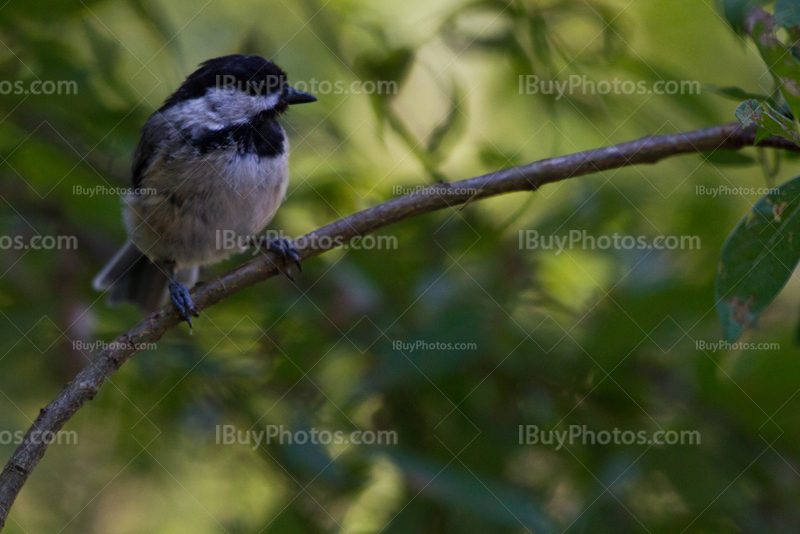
{"x": 529, "y": 177}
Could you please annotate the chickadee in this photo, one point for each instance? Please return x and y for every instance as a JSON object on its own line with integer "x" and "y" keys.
{"x": 212, "y": 159}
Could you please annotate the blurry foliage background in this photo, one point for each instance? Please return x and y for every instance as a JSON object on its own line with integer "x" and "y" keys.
{"x": 604, "y": 339}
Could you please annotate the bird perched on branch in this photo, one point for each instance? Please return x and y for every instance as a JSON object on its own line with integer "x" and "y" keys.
{"x": 212, "y": 161}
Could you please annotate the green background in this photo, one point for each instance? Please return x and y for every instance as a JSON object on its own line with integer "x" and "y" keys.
{"x": 603, "y": 338}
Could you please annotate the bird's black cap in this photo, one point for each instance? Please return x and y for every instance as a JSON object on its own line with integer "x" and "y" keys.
{"x": 253, "y": 75}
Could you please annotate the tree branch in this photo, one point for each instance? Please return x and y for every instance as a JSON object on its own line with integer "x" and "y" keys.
{"x": 525, "y": 178}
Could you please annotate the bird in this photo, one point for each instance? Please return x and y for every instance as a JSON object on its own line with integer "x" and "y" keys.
{"x": 211, "y": 161}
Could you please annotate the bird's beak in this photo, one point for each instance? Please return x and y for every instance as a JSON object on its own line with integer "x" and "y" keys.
{"x": 294, "y": 96}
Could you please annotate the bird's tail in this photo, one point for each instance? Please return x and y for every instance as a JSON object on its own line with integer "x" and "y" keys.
{"x": 130, "y": 276}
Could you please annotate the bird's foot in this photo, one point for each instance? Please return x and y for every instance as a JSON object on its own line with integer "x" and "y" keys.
{"x": 285, "y": 250}
{"x": 179, "y": 294}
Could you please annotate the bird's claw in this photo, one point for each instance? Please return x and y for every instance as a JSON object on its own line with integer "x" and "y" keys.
{"x": 285, "y": 250}
{"x": 179, "y": 294}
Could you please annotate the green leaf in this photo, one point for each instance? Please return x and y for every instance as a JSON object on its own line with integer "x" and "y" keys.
{"x": 787, "y": 13}
{"x": 770, "y": 122}
{"x": 44, "y": 10}
{"x": 452, "y": 127}
{"x": 758, "y": 258}
{"x": 392, "y": 66}
{"x": 159, "y": 24}
{"x": 728, "y": 158}
{"x": 737, "y": 93}
{"x": 482, "y": 496}
{"x": 735, "y": 10}
{"x": 783, "y": 66}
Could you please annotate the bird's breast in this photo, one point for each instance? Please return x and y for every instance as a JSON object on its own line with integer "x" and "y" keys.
{"x": 224, "y": 192}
